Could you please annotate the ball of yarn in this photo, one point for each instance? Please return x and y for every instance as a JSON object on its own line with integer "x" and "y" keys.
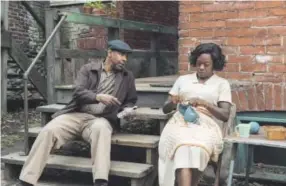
{"x": 254, "y": 127}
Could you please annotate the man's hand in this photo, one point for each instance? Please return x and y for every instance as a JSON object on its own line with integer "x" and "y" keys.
{"x": 127, "y": 112}
{"x": 107, "y": 99}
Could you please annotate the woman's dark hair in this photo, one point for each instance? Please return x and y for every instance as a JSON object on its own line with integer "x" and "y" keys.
{"x": 209, "y": 48}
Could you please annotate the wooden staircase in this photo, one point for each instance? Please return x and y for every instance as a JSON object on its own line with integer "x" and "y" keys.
{"x": 16, "y": 53}
{"x": 139, "y": 173}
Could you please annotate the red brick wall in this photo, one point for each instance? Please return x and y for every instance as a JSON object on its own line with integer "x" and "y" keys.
{"x": 157, "y": 12}
{"x": 253, "y": 37}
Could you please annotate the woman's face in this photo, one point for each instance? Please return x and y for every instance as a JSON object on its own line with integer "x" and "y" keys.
{"x": 204, "y": 66}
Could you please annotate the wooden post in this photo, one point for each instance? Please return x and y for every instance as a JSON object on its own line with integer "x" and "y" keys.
{"x": 11, "y": 172}
{"x": 152, "y": 158}
{"x": 52, "y": 65}
{"x": 153, "y": 62}
{"x": 4, "y": 57}
{"x": 113, "y": 33}
{"x": 162, "y": 125}
{"x": 241, "y": 158}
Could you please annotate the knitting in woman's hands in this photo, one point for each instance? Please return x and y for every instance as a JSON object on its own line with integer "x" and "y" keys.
{"x": 195, "y": 102}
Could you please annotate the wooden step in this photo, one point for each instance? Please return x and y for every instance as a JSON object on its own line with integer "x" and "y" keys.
{"x": 118, "y": 168}
{"x": 148, "y": 96}
{"x": 141, "y": 112}
{"x": 133, "y": 140}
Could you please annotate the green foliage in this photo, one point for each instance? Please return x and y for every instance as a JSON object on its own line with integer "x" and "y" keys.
{"x": 95, "y": 4}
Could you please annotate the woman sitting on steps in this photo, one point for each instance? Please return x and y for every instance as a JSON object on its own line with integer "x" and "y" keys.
{"x": 193, "y": 137}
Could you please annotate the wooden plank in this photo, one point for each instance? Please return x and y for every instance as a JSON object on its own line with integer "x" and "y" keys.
{"x": 4, "y": 56}
{"x": 136, "y": 140}
{"x": 258, "y": 139}
{"x": 153, "y": 61}
{"x": 5, "y": 39}
{"x": 23, "y": 61}
{"x": 58, "y": 62}
{"x": 38, "y": 19}
{"x": 50, "y": 56}
{"x": 263, "y": 176}
{"x": 147, "y": 96}
{"x": 139, "y": 87}
{"x": 113, "y": 33}
{"x": 118, "y": 168}
{"x": 59, "y": 4}
{"x": 132, "y": 140}
{"x": 149, "y": 113}
{"x": 263, "y": 119}
{"x": 77, "y": 53}
{"x": 118, "y": 23}
{"x": 4, "y": 59}
{"x": 55, "y": 182}
{"x": 141, "y": 113}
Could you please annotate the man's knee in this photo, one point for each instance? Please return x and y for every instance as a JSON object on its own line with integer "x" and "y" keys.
{"x": 52, "y": 128}
{"x": 100, "y": 124}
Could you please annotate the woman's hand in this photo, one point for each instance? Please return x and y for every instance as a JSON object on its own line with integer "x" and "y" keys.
{"x": 175, "y": 99}
{"x": 195, "y": 102}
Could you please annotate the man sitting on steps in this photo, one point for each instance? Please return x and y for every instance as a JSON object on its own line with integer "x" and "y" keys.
{"x": 101, "y": 91}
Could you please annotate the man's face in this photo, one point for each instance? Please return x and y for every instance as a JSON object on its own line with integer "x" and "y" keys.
{"x": 117, "y": 59}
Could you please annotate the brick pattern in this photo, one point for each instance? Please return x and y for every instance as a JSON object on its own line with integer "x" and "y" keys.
{"x": 260, "y": 97}
{"x": 96, "y": 37}
{"x": 18, "y": 23}
{"x": 24, "y": 28}
{"x": 157, "y": 12}
{"x": 253, "y": 37}
{"x": 29, "y": 36}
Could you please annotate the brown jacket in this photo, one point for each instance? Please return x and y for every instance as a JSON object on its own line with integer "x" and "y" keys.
{"x": 86, "y": 89}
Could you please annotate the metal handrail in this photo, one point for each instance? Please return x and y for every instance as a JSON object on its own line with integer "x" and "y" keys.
{"x": 25, "y": 78}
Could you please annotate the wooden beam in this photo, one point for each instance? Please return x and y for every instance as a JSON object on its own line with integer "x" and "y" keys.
{"x": 5, "y": 39}
{"x": 50, "y": 56}
{"x": 4, "y": 56}
{"x": 113, "y": 33}
{"x": 38, "y": 19}
{"x": 73, "y": 53}
{"x": 23, "y": 61}
{"x": 118, "y": 23}
{"x": 153, "y": 60}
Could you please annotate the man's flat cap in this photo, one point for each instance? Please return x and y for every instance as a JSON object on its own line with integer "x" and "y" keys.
{"x": 119, "y": 45}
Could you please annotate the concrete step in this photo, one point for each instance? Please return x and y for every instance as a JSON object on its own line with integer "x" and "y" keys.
{"x": 118, "y": 168}
{"x": 132, "y": 140}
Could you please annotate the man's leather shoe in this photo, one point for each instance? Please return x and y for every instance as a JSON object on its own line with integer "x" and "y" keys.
{"x": 100, "y": 183}
{"x": 22, "y": 183}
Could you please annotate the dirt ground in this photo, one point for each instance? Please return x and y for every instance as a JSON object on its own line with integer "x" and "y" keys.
{"x": 12, "y": 141}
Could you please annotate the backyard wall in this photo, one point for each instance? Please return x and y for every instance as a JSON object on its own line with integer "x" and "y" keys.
{"x": 95, "y": 37}
{"x": 29, "y": 36}
{"x": 253, "y": 37}
{"x": 158, "y": 12}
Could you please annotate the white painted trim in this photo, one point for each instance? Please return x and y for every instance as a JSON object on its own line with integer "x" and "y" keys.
{"x": 65, "y": 3}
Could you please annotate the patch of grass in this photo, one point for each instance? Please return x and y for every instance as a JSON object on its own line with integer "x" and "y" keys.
{"x": 12, "y": 123}
{"x": 10, "y": 140}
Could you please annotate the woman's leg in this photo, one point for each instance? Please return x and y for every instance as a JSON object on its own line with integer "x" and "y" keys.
{"x": 184, "y": 177}
{"x": 196, "y": 177}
